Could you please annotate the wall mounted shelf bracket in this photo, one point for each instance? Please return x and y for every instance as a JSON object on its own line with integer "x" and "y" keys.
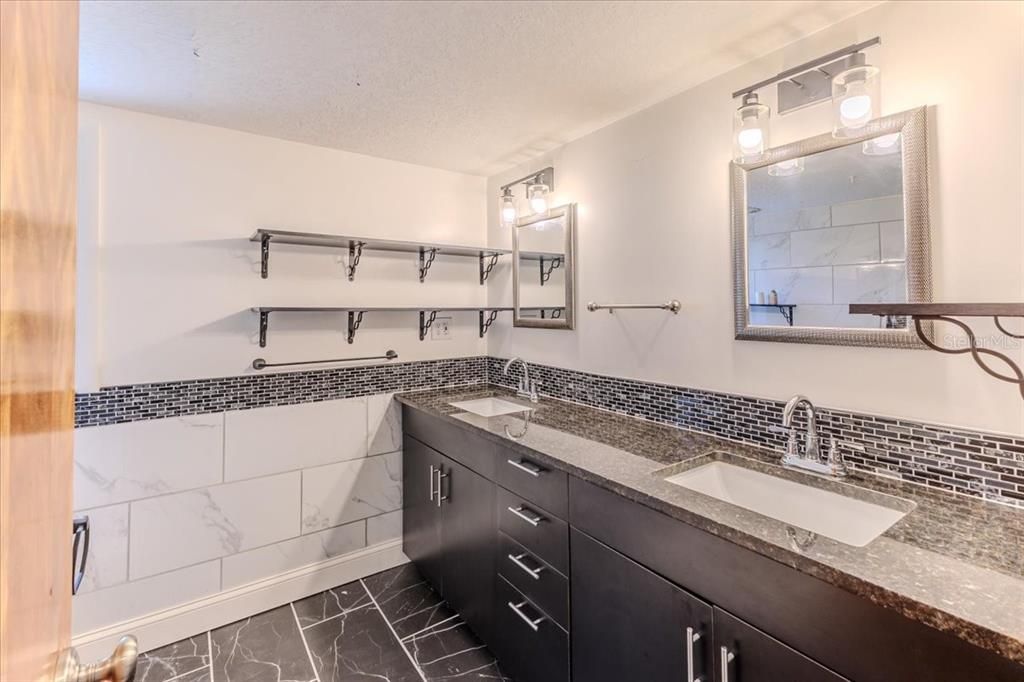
{"x": 485, "y": 324}
{"x": 264, "y": 256}
{"x": 426, "y": 319}
{"x": 485, "y": 269}
{"x": 554, "y": 263}
{"x": 355, "y": 318}
{"x": 355, "y": 252}
{"x": 426, "y": 260}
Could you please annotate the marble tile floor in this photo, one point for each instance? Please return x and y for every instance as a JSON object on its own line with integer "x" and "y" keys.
{"x": 389, "y": 627}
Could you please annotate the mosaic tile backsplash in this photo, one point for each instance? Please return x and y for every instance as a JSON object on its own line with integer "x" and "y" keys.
{"x": 965, "y": 461}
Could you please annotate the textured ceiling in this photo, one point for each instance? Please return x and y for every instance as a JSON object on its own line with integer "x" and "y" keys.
{"x": 468, "y": 86}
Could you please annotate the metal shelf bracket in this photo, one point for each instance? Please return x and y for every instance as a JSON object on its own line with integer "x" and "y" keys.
{"x": 355, "y": 252}
{"x": 485, "y": 270}
{"x": 264, "y": 256}
{"x": 355, "y": 318}
{"x": 264, "y": 320}
{"x": 426, "y": 260}
{"x": 426, "y": 321}
{"x": 976, "y": 350}
{"x": 545, "y": 275}
{"x": 485, "y": 324}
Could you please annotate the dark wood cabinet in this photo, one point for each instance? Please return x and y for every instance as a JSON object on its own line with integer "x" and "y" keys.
{"x": 421, "y": 510}
{"x": 631, "y": 624}
{"x": 745, "y": 654}
{"x": 529, "y": 645}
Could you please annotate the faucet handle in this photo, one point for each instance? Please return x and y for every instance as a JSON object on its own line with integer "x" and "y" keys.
{"x": 835, "y": 459}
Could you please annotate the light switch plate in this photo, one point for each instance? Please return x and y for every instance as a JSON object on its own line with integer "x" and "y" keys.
{"x": 441, "y": 330}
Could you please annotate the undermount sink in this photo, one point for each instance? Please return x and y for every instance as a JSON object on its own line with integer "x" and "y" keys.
{"x": 490, "y": 407}
{"x": 841, "y": 517}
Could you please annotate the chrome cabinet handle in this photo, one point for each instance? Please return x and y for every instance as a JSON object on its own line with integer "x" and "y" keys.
{"x": 691, "y": 639}
{"x": 532, "y": 520}
{"x": 528, "y": 467}
{"x": 726, "y": 659}
{"x": 440, "y": 498}
{"x": 432, "y": 469}
{"x": 517, "y": 559}
{"x": 81, "y": 530}
{"x": 534, "y": 623}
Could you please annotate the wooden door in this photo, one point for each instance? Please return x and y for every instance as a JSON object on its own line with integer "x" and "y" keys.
{"x": 421, "y": 510}
{"x": 38, "y": 129}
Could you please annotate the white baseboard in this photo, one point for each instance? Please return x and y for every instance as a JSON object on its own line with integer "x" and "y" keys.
{"x": 170, "y": 625}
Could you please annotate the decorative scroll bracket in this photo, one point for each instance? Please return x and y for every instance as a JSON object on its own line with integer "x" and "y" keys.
{"x": 264, "y": 256}
{"x": 974, "y": 349}
{"x": 425, "y": 322}
{"x": 264, "y": 323}
{"x": 426, "y": 260}
{"x": 355, "y": 318}
{"x": 491, "y": 316}
{"x": 355, "y": 252}
{"x": 485, "y": 270}
{"x": 545, "y": 275}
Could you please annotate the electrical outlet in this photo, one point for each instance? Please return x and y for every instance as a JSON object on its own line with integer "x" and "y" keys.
{"x": 441, "y": 330}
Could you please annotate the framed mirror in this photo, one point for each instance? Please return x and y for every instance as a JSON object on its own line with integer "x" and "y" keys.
{"x": 544, "y": 269}
{"x": 822, "y": 223}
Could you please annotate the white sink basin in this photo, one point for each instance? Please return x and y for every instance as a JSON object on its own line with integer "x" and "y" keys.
{"x": 846, "y": 519}
{"x": 490, "y": 407}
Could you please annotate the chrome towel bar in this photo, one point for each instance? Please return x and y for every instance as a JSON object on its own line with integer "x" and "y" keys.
{"x": 260, "y": 363}
{"x": 672, "y": 305}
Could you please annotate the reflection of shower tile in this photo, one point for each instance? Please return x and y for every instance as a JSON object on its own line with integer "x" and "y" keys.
{"x": 837, "y": 245}
{"x": 770, "y": 222}
{"x": 885, "y": 283}
{"x": 874, "y": 210}
{"x": 894, "y": 246}
{"x": 768, "y": 251}
{"x": 832, "y": 316}
{"x": 797, "y": 285}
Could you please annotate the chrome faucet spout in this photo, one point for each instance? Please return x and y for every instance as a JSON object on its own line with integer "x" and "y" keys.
{"x": 527, "y": 388}
{"x": 811, "y": 458}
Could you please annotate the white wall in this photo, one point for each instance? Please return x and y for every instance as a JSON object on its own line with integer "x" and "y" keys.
{"x": 653, "y": 199}
{"x": 167, "y": 274}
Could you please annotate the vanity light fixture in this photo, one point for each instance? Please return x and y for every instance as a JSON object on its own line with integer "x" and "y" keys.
{"x": 750, "y": 129}
{"x": 855, "y": 97}
{"x": 539, "y": 185}
{"x": 789, "y": 167}
{"x": 880, "y": 146}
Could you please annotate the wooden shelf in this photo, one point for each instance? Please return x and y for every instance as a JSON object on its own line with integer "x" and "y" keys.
{"x": 486, "y": 315}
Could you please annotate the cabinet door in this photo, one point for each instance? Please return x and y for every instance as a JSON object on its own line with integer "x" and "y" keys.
{"x": 745, "y": 654}
{"x": 631, "y": 624}
{"x": 421, "y": 511}
{"x": 469, "y": 535}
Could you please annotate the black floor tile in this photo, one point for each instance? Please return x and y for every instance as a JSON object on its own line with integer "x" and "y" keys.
{"x": 406, "y": 600}
{"x": 330, "y": 603}
{"x": 165, "y": 663}
{"x": 451, "y": 651}
{"x": 263, "y": 648}
{"x": 358, "y": 646}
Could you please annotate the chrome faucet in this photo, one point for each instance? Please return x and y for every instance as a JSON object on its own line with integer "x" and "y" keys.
{"x": 811, "y": 458}
{"x": 527, "y": 388}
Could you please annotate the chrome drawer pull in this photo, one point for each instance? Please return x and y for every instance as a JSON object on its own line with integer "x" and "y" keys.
{"x": 533, "y": 623}
{"x": 727, "y": 657}
{"x": 532, "y": 520}
{"x": 517, "y": 559}
{"x": 440, "y": 498}
{"x": 691, "y": 639}
{"x": 528, "y": 467}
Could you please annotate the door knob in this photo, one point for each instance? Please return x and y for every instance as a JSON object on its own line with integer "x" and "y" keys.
{"x": 120, "y": 667}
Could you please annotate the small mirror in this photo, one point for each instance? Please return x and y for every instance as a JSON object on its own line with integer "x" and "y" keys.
{"x": 823, "y": 223}
{"x": 543, "y": 269}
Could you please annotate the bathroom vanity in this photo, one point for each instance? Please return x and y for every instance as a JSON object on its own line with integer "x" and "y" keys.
{"x": 574, "y": 557}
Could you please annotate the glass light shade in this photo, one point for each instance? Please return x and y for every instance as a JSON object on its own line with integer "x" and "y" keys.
{"x": 855, "y": 99}
{"x": 750, "y": 130}
{"x": 789, "y": 167}
{"x": 508, "y": 208}
{"x": 537, "y": 194}
{"x": 880, "y": 146}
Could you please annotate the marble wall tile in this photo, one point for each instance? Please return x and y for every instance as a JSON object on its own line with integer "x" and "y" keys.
{"x": 894, "y": 243}
{"x": 384, "y": 424}
{"x": 772, "y": 221}
{"x": 768, "y": 251}
{"x": 107, "y": 564}
{"x": 331, "y": 603}
{"x": 267, "y": 646}
{"x": 102, "y": 608}
{"x": 384, "y": 527}
{"x": 358, "y": 645}
{"x": 833, "y": 316}
{"x": 345, "y": 492}
{"x": 123, "y": 462}
{"x": 876, "y": 210}
{"x": 187, "y": 528}
{"x": 407, "y": 600}
{"x": 171, "y": 661}
{"x": 835, "y": 246}
{"x": 263, "y": 562}
{"x": 270, "y": 440}
{"x": 884, "y": 283}
{"x": 797, "y": 285}
{"x": 452, "y": 652}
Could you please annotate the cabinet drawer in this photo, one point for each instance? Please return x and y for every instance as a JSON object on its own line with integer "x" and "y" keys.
{"x": 529, "y": 645}
{"x": 545, "y": 535}
{"x": 753, "y": 656}
{"x": 537, "y": 483}
{"x": 539, "y": 582}
{"x": 463, "y": 446}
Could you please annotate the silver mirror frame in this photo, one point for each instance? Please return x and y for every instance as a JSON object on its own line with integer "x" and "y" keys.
{"x": 913, "y": 126}
{"x": 568, "y": 319}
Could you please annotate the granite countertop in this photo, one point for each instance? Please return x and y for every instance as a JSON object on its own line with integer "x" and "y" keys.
{"x": 953, "y": 562}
